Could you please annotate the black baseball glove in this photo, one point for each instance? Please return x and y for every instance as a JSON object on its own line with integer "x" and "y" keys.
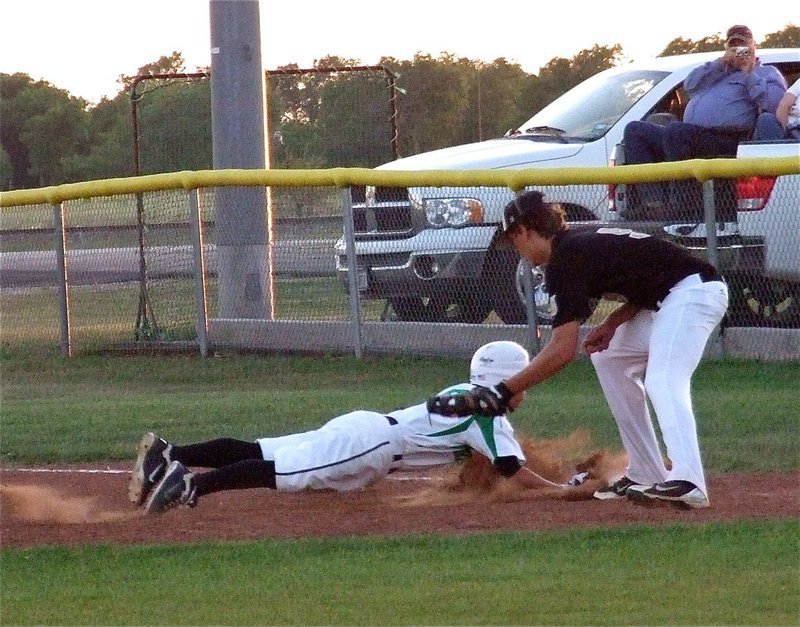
{"x": 491, "y": 401}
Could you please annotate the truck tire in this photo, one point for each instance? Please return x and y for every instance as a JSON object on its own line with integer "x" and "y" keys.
{"x": 498, "y": 283}
{"x": 503, "y": 277}
{"x": 756, "y": 301}
{"x": 463, "y": 308}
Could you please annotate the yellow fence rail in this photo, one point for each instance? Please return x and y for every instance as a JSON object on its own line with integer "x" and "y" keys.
{"x": 515, "y": 180}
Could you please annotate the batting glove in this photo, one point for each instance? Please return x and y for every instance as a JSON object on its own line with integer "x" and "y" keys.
{"x": 485, "y": 401}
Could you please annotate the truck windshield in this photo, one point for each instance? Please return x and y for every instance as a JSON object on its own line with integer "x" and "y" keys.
{"x": 588, "y": 110}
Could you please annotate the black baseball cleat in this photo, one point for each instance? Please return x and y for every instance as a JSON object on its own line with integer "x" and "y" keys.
{"x": 616, "y": 490}
{"x": 153, "y": 457}
{"x": 175, "y": 488}
{"x": 679, "y": 493}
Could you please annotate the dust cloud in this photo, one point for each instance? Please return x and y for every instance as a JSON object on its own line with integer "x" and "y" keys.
{"x": 557, "y": 460}
{"x": 38, "y": 504}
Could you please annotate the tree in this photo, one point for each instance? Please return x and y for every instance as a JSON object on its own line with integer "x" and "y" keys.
{"x": 432, "y": 112}
{"x": 110, "y": 151}
{"x": 175, "y": 127}
{"x": 6, "y": 169}
{"x": 317, "y": 119}
{"x": 295, "y": 101}
{"x": 42, "y": 126}
{"x": 12, "y": 118}
{"x": 679, "y": 45}
{"x": 353, "y": 120}
{"x": 559, "y": 75}
{"x": 172, "y": 64}
{"x": 495, "y": 92}
{"x": 789, "y": 37}
{"x": 52, "y": 136}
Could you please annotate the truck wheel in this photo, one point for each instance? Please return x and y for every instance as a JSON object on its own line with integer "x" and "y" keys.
{"x": 497, "y": 282}
{"x": 509, "y": 309}
{"x": 505, "y": 274}
{"x": 464, "y": 309}
{"x": 756, "y": 301}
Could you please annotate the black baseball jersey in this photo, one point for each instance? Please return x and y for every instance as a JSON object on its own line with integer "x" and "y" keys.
{"x": 588, "y": 262}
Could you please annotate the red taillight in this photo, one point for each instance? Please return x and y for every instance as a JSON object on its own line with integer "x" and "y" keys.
{"x": 753, "y": 192}
{"x": 612, "y": 189}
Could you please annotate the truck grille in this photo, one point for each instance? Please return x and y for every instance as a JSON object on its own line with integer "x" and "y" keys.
{"x": 390, "y": 215}
{"x": 384, "y": 260}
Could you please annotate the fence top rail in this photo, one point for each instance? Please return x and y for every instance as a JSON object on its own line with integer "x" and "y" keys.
{"x": 514, "y": 179}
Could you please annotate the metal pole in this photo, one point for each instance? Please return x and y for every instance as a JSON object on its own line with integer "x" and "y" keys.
{"x": 710, "y": 217}
{"x": 393, "y": 113}
{"x": 711, "y": 222}
{"x": 352, "y": 270}
{"x": 146, "y": 327}
{"x": 716, "y": 347}
{"x": 198, "y": 257}
{"x": 63, "y": 291}
{"x": 534, "y": 342}
{"x": 238, "y": 121}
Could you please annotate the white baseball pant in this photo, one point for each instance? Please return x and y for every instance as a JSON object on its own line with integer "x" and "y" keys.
{"x": 346, "y": 453}
{"x": 668, "y": 345}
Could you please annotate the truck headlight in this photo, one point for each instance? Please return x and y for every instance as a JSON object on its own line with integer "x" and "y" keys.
{"x": 442, "y": 212}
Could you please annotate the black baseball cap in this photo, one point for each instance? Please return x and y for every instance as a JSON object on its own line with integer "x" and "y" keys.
{"x": 528, "y": 209}
{"x": 738, "y": 34}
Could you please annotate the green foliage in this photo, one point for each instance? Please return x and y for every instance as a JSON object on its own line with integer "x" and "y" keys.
{"x": 6, "y": 169}
{"x": 679, "y": 45}
{"x": 41, "y": 126}
{"x": 110, "y": 153}
{"x": 316, "y": 119}
{"x": 712, "y": 574}
{"x": 175, "y": 127}
{"x": 355, "y": 140}
{"x": 789, "y": 37}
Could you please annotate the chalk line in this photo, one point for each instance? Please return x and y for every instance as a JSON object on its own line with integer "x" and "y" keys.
{"x": 114, "y": 471}
{"x": 90, "y": 471}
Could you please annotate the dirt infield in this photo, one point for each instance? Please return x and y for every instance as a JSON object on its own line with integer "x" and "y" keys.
{"x": 66, "y": 507}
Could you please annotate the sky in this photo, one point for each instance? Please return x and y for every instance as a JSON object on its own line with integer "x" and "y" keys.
{"x": 83, "y": 46}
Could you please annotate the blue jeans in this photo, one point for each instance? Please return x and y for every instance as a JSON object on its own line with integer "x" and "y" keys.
{"x": 769, "y": 128}
{"x": 677, "y": 141}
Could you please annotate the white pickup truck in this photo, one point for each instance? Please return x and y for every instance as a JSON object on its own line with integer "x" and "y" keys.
{"x": 428, "y": 251}
{"x": 769, "y": 220}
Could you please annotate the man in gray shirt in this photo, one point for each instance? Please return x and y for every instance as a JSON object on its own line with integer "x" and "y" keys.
{"x": 726, "y": 96}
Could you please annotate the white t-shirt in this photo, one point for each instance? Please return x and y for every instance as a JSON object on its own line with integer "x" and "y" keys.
{"x": 794, "y": 112}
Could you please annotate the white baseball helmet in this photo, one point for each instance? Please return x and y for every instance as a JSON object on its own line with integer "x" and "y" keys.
{"x": 496, "y": 361}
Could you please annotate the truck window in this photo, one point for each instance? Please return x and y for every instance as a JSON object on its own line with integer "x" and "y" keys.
{"x": 587, "y": 111}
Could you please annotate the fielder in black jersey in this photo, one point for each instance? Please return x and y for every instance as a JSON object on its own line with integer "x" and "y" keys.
{"x": 647, "y": 347}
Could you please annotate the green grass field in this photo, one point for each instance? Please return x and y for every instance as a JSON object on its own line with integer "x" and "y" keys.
{"x": 93, "y": 409}
{"x": 683, "y": 575}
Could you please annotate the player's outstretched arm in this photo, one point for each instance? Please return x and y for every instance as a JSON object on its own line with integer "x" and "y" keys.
{"x": 530, "y": 480}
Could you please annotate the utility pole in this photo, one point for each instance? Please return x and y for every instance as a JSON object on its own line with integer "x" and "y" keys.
{"x": 238, "y": 122}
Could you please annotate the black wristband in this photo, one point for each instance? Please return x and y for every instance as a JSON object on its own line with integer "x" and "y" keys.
{"x": 503, "y": 392}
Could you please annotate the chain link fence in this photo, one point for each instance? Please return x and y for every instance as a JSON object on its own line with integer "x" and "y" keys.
{"x": 374, "y": 269}
{"x": 320, "y": 117}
